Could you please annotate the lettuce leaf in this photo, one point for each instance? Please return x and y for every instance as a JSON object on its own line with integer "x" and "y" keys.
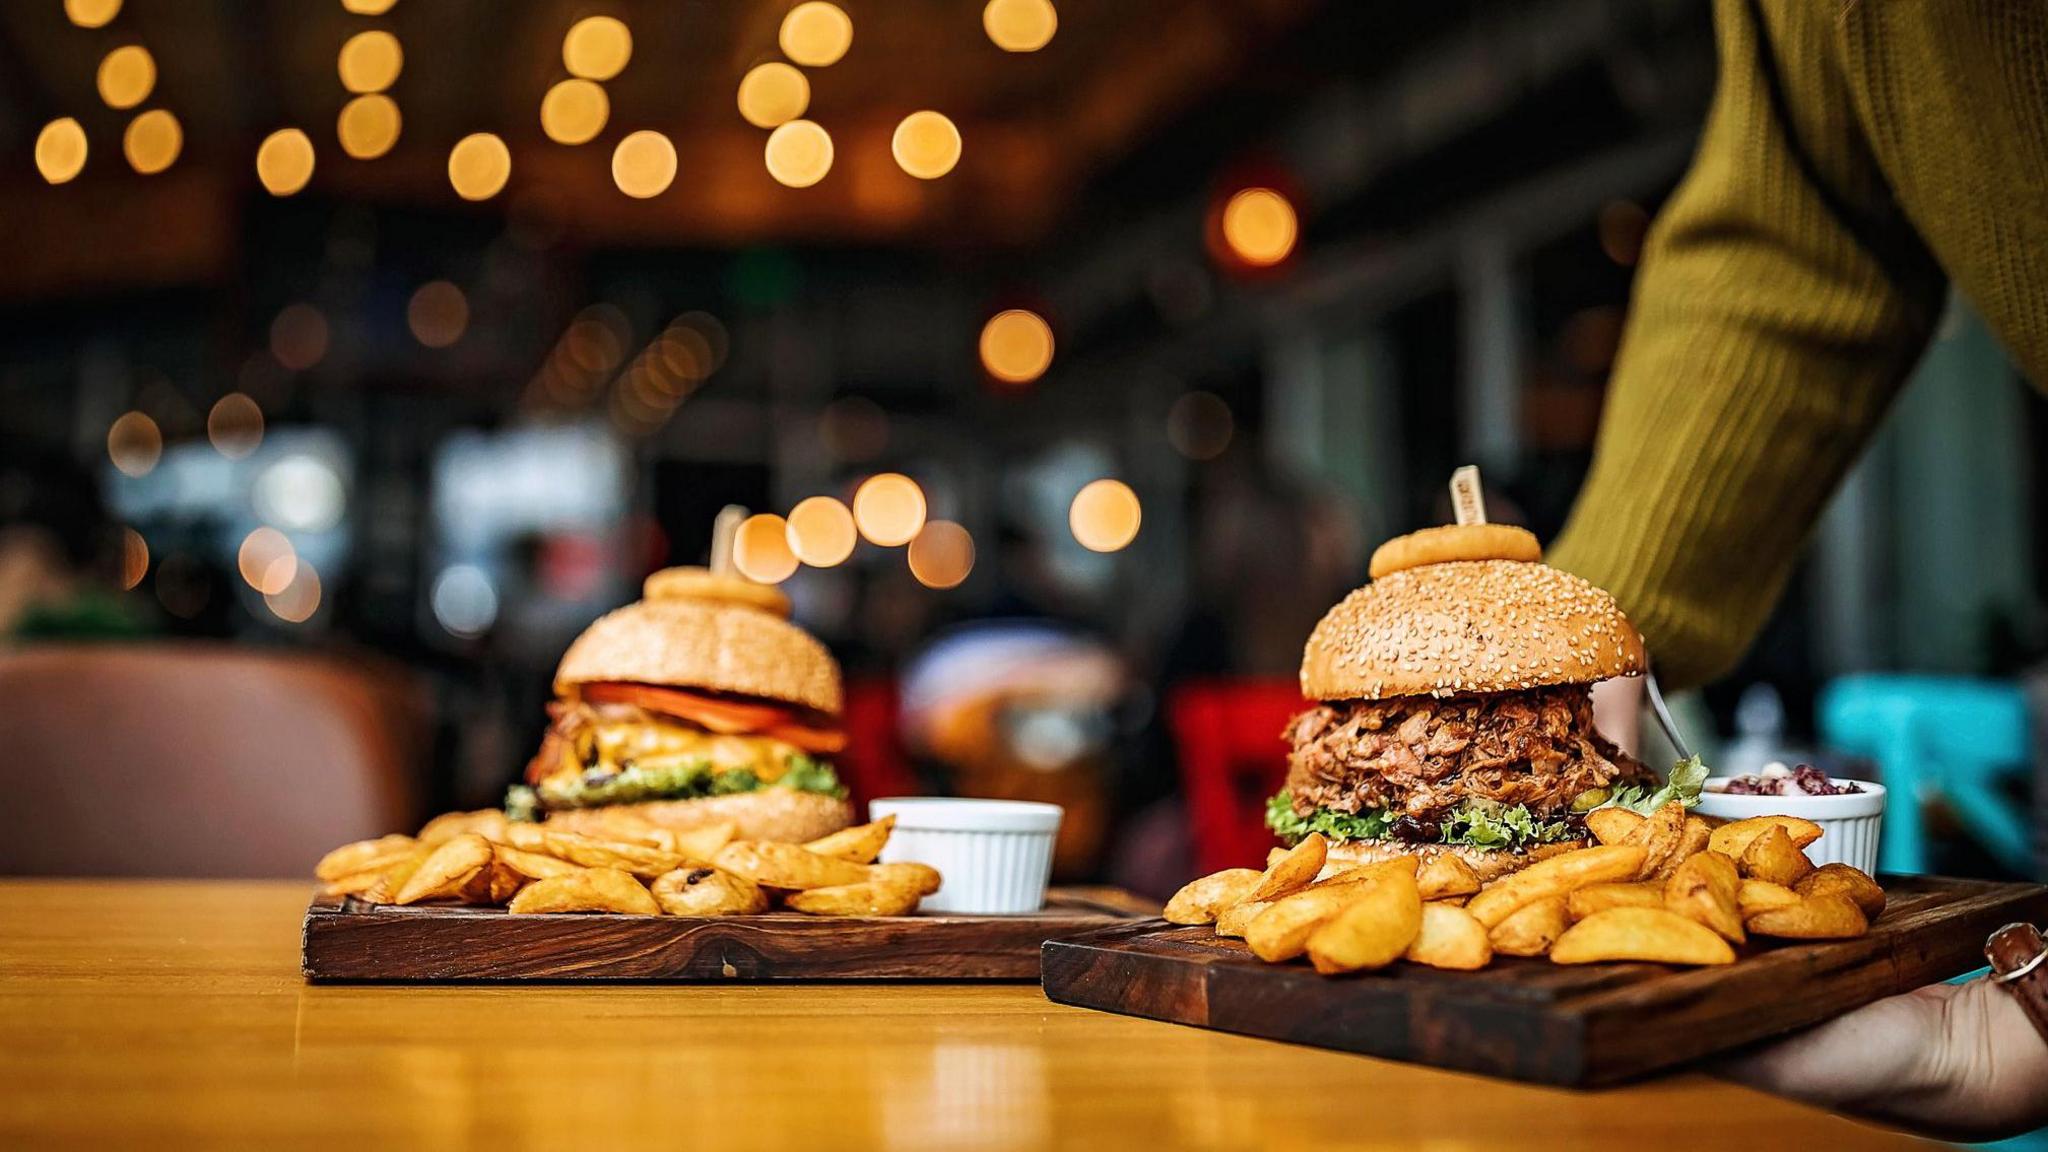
{"x": 1477, "y": 823}
{"x": 1683, "y": 785}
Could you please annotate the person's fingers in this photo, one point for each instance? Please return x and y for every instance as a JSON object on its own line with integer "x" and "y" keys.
{"x": 1874, "y": 1050}
{"x": 1618, "y": 712}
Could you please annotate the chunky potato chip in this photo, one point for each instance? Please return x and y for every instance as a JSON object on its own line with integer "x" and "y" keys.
{"x": 1233, "y": 921}
{"x": 526, "y": 836}
{"x": 586, "y": 890}
{"x": 1293, "y": 871}
{"x": 1408, "y": 866}
{"x": 534, "y": 865}
{"x": 490, "y": 823}
{"x": 451, "y": 865}
{"x": 1771, "y": 856}
{"x": 354, "y": 884}
{"x": 1651, "y": 934}
{"x": 501, "y": 882}
{"x": 1823, "y": 916}
{"x": 1448, "y": 937}
{"x": 1281, "y": 930}
{"x": 1371, "y": 931}
{"x": 860, "y": 843}
{"x": 394, "y": 876}
{"x": 1201, "y": 900}
{"x": 1612, "y": 825}
{"x": 1704, "y": 888}
{"x": 1556, "y": 876}
{"x": 1445, "y": 876}
{"x": 1660, "y": 835}
{"x": 362, "y": 856}
{"x": 1732, "y": 839}
{"x": 1845, "y": 880}
{"x": 1531, "y": 929}
{"x": 705, "y": 891}
{"x": 1754, "y": 896}
{"x": 790, "y": 866}
{"x": 1618, "y": 894}
{"x": 867, "y": 898}
{"x": 921, "y": 878}
{"x": 626, "y": 856}
{"x": 704, "y": 841}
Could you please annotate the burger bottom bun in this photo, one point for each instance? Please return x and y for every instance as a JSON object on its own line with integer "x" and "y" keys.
{"x": 1490, "y": 863}
{"x": 766, "y": 814}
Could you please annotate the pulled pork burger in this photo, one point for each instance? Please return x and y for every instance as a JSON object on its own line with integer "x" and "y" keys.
{"x": 1456, "y": 712}
{"x": 698, "y": 704}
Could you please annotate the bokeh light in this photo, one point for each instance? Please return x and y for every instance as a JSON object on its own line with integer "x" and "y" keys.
{"x": 644, "y": 164}
{"x": 60, "y": 150}
{"x": 234, "y": 425}
{"x": 821, "y": 532}
{"x": 127, "y": 76}
{"x": 799, "y": 153}
{"x": 368, "y": 7}
{"x": 597, "y": 47}
{"x": 1016, "y": 346}
{"x": 153, "y": 141}
{"x": 889, "y": 509}
{"x": 368, "y": 126}
{"x": 926, "y": 145}
{"x": 760, "y": 549}
{"x": 91, "y": 13}
{"x": 300, "y": 492}
{"x": 1020, "y": 25}
{"x": 464, "y": 601}
{"x": 284, "y": 162}
{"x": 296, "y": 602}
{"x": 478, "y": 166}
{"x": 298, "y": 337}
{"x": 1105, "y": 515}
{"x": 134, "y": 444}
{"x": 574, "y": 111}
{"x": 134, "y": 558}
{"x": 1260, "y": 227}
{"x": 816, "y": 34}
{"x": 438, "y": 314}
{"x": 370, "y": 61}
{"x": 942, "y": 555}
{"x": 773, "y": 94}
{"x": 267, "y": 560}
{"x": 1199, "y": 425}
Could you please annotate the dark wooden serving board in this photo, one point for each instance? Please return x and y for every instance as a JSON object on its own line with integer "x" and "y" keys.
{"x": 346, "y": 939}
{"x": 1530, "y": 1019}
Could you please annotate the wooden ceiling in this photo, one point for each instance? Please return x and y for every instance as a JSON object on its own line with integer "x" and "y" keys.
{"x": 1035, "y": 125}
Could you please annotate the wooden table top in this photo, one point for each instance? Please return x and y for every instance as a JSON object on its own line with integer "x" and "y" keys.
{"x": 172, "y": 1015}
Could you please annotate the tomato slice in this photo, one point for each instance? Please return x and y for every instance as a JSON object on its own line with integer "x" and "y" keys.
{"x": 725, "y": 717}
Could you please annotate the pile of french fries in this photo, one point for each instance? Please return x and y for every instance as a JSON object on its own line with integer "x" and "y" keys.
{"x": 1668, "y": 888}
{"x": 481, "y": 858}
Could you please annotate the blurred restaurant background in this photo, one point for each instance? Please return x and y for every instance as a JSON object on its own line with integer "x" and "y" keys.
{"x": 355, "y": 354}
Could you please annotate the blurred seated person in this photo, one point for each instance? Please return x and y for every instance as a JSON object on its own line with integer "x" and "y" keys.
{"x": 1857, "y": 160}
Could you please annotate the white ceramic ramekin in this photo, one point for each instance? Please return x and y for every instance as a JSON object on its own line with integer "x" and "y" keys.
{"x": 1849, "y": 824}
{"x": 994, "y": 856}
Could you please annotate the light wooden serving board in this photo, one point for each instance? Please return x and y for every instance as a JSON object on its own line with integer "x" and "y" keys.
{"x": 347, "y": 940}
{"x": 1531, "y": 1019}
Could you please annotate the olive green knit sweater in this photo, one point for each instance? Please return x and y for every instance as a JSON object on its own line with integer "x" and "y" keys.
{"x": 1859, "y": 154}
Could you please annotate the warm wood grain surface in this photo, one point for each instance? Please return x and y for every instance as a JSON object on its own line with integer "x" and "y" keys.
{"x": 1575, "y": 1025}
{"x": 165, "y": 1015}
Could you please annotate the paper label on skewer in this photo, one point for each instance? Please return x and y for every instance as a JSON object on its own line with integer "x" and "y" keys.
{"x": 1468, "y": 502}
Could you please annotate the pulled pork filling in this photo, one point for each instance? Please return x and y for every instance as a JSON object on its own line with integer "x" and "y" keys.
{"x": 1421, "y": 764}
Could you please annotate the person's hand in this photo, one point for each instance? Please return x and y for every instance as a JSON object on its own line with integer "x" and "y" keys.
{"x": 1960, "y": 1061}
{"x": 1618, "y": 712}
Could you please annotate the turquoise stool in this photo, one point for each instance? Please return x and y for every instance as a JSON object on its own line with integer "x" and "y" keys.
{"x": 1936, "y": 736}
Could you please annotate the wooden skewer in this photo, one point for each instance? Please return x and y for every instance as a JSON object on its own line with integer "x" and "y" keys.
{"x": 724, "y": 531}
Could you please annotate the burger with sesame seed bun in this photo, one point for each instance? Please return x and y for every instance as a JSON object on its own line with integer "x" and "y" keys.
{"x": 1456, "y": 711}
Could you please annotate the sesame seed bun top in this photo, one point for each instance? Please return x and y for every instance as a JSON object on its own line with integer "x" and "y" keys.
{"x": 1468, "y": 626}
{"x": 705, "y": 644}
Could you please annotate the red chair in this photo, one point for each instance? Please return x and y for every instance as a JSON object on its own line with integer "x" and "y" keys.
{"x": 1232, "y": 758}
{"x": 873, "y": 763}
